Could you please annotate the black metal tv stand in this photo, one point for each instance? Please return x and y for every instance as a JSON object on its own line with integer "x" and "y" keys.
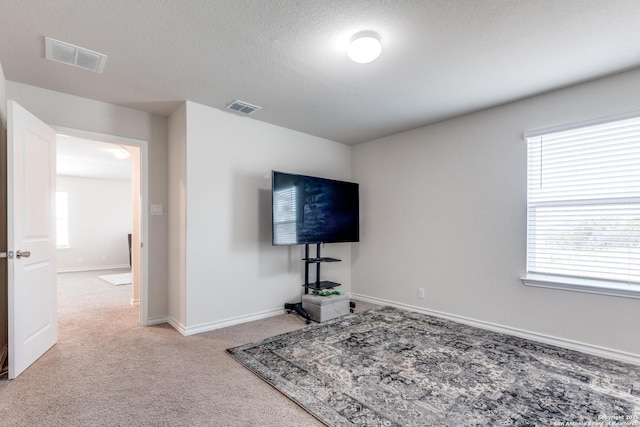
{"x": 317, "y": 285}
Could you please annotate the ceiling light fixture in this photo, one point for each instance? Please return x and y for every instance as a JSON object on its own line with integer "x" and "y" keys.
{"x": 365, "y": 47}
{"x": 121, "y": 153}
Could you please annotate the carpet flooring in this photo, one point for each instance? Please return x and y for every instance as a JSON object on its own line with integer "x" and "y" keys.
{"x": 388, "y": 367}
{"x": 107, "y": 370}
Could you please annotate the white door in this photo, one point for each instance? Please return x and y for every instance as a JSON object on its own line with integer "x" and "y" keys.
{"x": 31, "y": 175}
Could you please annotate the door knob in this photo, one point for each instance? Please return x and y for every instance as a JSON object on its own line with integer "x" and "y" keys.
{"x": 20, "y": 254}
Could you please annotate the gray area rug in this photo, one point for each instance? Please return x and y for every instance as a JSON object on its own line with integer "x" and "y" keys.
{"x": 389, "y": 367}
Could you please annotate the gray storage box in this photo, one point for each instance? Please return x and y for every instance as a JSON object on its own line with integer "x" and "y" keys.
{"x": 321, "y": 308}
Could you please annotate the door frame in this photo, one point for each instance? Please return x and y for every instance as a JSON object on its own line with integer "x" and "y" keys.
{"x": 4, "y": 262}
{"x": 144, "y": 198}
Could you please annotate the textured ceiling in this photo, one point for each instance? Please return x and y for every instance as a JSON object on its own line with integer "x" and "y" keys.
{"x": 441, "y": 58}
{"x": 79, "y": 157}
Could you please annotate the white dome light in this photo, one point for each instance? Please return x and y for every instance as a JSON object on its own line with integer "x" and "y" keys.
{"x": 365, "y": 47}
{"x": 121, "y": 153}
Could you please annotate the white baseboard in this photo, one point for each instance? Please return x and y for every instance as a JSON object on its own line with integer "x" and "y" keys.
{"x": 534, "y": 336}
{"x": 176, "y": 325}
{"x": 157, "y": 320}
{"x": 205, "y": 327}
{"x": 96, "y": 268}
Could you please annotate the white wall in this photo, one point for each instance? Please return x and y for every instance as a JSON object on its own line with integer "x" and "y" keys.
{"x": 59, "y": 109}
{"x": 178, "y": 214}
{"x": 3, "y": 98}
{"x": 444, "y": 208}
{"x": 100, "y": 217}
{"x": 232, "y": 271}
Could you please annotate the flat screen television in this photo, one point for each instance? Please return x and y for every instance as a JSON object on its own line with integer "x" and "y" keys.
{"x": 311, "y": 210}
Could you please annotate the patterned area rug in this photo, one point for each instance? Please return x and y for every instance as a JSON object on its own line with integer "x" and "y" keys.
{"x": 388, "y": 367}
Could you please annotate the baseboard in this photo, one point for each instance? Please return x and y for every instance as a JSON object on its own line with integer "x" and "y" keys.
{"x": 205, "y": 327}
{"x": 157, "y": 320}
{"x": 534, "y": 336}
{"x": 176, "y": 325}
{"x": 96, "y": 268}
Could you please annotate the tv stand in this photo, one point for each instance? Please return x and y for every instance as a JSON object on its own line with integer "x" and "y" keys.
{"x": 297, "y": 307}
{"x": 317, "y": 261}
{"x": 317, "y": 285}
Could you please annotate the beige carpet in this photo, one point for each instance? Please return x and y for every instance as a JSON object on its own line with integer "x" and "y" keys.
{"x": 106, "y": 370}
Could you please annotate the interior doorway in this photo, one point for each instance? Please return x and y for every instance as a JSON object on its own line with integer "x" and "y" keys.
{"x": 94, "y": 170}
{"x": 31, "y": 185}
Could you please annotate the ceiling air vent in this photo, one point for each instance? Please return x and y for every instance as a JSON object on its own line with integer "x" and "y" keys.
{"x": 243, "y": 107}
{"x": 76, "y": 56}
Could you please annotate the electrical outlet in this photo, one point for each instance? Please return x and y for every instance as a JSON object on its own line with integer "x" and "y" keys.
{"x": 421, "y": 293}
{"x": 79, "y": 260}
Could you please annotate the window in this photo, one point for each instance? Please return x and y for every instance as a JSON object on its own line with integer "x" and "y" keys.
{"x": 62, "y": 220}
{"x": 583, "y": 213}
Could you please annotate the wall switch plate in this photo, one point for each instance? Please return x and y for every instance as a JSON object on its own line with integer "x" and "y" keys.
{"x": 421, "y": 293}
{"x": 157, "y": 210}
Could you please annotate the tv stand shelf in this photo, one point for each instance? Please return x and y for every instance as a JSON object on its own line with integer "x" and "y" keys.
{"x": 320, "y": 285}
{"x": 321, "y": 259}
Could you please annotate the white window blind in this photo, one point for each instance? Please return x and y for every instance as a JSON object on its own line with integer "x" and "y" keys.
{"x": 583, "y": 218}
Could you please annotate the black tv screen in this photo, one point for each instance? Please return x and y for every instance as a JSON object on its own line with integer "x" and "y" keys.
{"x": 307, "y": 210}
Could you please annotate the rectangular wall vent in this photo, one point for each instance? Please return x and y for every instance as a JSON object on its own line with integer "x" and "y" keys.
{"x": 243, "y": 107}
{"x": 69, "y": 54}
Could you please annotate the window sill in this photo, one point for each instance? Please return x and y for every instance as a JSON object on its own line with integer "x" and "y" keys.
{"x": 601, "y": 287}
